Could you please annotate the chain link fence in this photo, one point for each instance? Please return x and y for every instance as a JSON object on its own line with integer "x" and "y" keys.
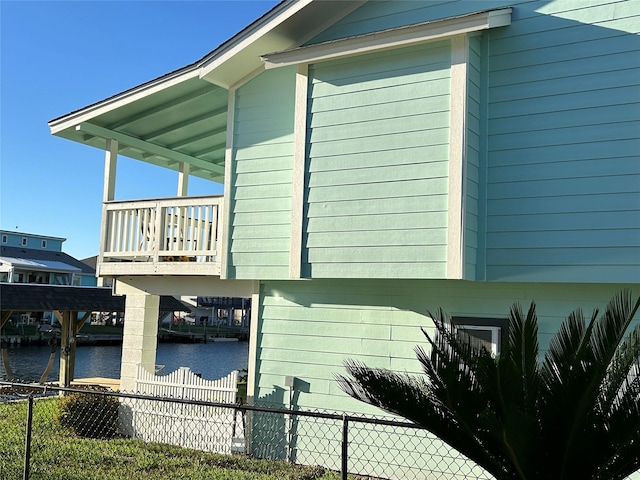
{"x": 67, "y": 433}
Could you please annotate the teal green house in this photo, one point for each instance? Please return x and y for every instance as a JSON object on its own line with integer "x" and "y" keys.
{"x": 380, "y": 159}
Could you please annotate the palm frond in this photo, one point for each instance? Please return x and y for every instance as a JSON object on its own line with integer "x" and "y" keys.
{"x": 619, "y": 410}
{"x": 519, "y": 361}
{"x": 612, "y": 327}
{"x": 576, "y": 415}
{"x": 511, "y": 385}
{"x": 412, "y": 398}
{"x": 621, "y": 375}
{"x": 574, "y": 375}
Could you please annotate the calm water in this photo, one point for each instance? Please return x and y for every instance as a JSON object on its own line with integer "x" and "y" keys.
{"x": 212, "y": 360}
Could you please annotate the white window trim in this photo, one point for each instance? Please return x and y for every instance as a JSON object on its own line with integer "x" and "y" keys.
{"x": 391, "y": 38}
{"x": 497, "y": 327}
{"x": 495, "y": 335}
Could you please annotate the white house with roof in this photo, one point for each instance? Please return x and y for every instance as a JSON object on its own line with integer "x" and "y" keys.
{"x": 380, "y": 159}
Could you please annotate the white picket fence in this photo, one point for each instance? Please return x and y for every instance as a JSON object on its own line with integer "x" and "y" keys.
{"x": 193, "y": 426}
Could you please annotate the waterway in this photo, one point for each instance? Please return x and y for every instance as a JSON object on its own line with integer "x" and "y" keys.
{"x": 212, "y": 360}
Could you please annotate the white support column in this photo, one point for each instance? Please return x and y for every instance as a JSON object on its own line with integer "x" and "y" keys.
{"x": 110, "y": 165}
{"x": 108, "y": 193}
{"x": 225, "y": 225}
{"x": 139, "y": 337}
{"x": 457, "y": 156}
{"x": 183, "y": 179}
{"x": 297, "y": 179}
{"x": 253, "y": 343}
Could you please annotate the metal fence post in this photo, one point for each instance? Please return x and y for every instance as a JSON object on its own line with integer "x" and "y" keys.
{"x": 345, "y": 446}
{"x": 27, "y": 442}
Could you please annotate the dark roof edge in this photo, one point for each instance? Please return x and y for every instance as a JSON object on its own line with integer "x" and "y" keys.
{"x": 219, "y": 50}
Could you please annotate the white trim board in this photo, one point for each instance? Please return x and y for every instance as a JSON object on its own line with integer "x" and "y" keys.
{"x": 391, "y": 38}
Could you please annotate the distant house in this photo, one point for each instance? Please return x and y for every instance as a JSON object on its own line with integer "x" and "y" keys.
{"x": 380, "y": 159}
{"x": 231, "y": 312}
{"x": 31, "y": 258}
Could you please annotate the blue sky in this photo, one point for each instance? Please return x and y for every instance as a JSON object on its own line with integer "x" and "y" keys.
{"x": 59, "y": 56}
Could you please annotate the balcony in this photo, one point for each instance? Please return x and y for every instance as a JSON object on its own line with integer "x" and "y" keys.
{"x": 169, "y": 236}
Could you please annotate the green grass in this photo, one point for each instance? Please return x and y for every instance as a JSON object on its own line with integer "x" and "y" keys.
{"x": 57, "y": 454}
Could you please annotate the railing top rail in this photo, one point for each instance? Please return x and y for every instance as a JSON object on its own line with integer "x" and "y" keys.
{"x": 165, "y": 199}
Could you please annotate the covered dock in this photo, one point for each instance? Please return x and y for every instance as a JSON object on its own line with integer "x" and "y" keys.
{"x": 72, "y": 306}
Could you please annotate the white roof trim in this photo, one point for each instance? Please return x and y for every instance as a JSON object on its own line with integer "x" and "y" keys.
{"x": 252, "y": 34}
{"x": 395, "y": 37}
{"x": 55, "y": 266}
{"x": 30, "y": 235}
{"x": 241, "y": 47}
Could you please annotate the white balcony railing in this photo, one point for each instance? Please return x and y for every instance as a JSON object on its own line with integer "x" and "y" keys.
{"x": 162, "y": 231}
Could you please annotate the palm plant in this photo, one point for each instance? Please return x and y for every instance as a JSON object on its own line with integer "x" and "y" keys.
{"x": 575, "y": 414}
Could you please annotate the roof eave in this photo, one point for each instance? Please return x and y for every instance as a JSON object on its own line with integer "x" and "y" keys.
{"x": 76, "y": 117}
{"x": 289, "y": 24}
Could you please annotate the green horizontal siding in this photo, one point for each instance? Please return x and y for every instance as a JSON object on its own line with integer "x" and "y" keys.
{"x": 563, "y": 180}
{"x": 260, "y": 230}
{"x": 376, "y": 15}
{"x": 407, "y": 205}
{"x": 308, "y": 329}
{"x": 377, "y": 181}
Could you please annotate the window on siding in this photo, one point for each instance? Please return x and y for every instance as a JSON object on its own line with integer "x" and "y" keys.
{"x": 24, "y": 241}
{"x": 483, "y": 332}
{"x": 44, "y": 244}
{"x": 4, "y": 239}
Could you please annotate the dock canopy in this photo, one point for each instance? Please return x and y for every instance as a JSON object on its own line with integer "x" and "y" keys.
{"x": 72, "y": 306}
{"x": 21, "y": 297}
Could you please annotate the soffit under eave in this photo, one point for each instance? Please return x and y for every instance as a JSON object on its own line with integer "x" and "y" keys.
{"x": 182, "y": 122}
{"x": 227, "y": 65}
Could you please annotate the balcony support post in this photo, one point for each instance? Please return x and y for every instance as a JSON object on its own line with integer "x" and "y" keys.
{"x": 110, "y": 164}
{"x": 183, "y": 179}
{"x": 108, "y": 194}
{"x": 139, "y": 337}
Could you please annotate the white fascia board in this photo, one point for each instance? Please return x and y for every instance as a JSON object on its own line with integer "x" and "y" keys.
{"x": 31, "y": 235}
{"x": 251, "y": 35}
{"x": 396, "y": 37}
{"x": 80, "y": 116}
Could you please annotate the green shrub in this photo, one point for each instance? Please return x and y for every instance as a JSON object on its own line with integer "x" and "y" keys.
{"x": 92, "y": 415}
